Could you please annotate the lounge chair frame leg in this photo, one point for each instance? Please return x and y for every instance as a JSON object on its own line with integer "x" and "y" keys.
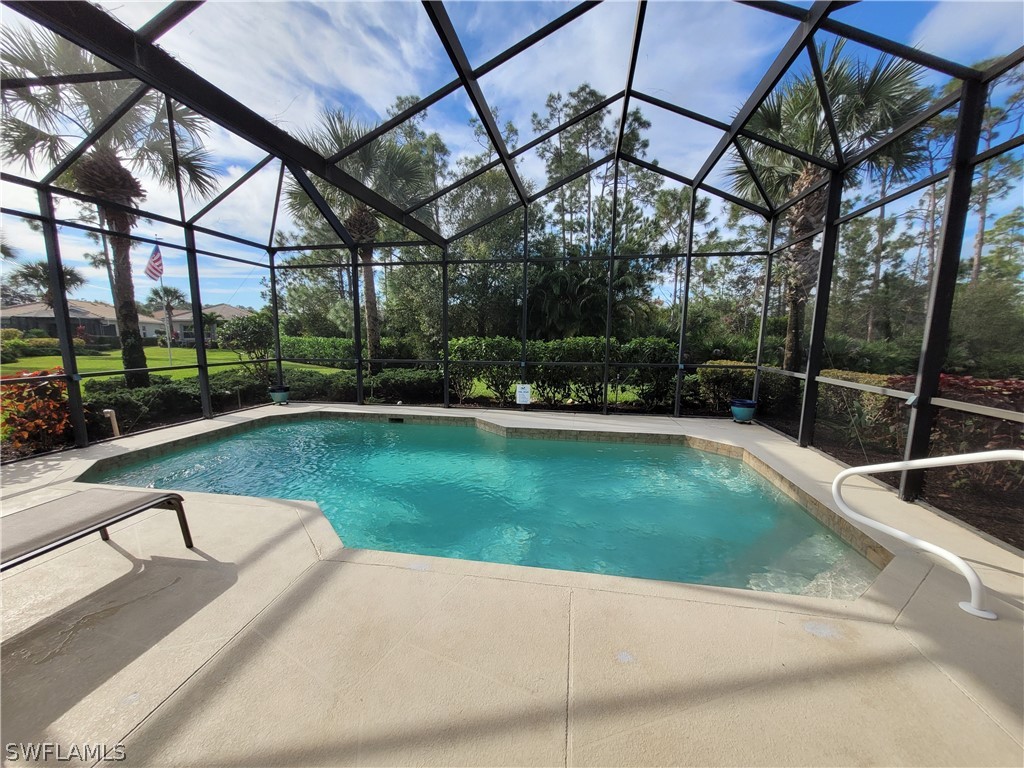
{"x": 186, "y": 534}
{"x": 104, "y": 534}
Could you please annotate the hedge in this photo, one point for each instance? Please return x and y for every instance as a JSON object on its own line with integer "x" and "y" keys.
{"x": 15, "y": 348}
{"x": 325, "y": 348}
{"x": 390, "y": 385}
{"x": 653, "y": 386}
{"x": 498, "y": 378}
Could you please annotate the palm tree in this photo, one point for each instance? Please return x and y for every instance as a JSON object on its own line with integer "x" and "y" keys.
{"x": 45, "y": 123}
{"x": 868, "y": 101}
{"x": 396, "y": 171}
{"x": 166, "y": 298}
{"x": 210, "y": 320}
{"x": 34, "y": 277}
{"x": 7, "y": 251}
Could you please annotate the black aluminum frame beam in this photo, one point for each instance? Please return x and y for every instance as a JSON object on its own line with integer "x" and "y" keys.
{"x": 789, "y": 53}
{"x": 737, "y": 200}
{"x": 553, "y": 26}
{"x": 518, "y": 151}
{"x": 634, "y": 55}
{"x": 394, "y": 122}
{"x": 55, "y": 272}
{"x": 273, "y": 217}
{"x": 453, "y": 186}
{"x": 891, "y": 47}
{"x": 660, "y": 170}
{"x": 1005, "y": 64}
{"x": 943, "y": 288}
{"x": 172, "y": 132}
{"x": 450, "y": 88}
{"x": 231, "y": 188}
{"x": 913, "y": 123}
{"x": 754, "y": 175}
{"x": 822, "y": 295}
{"x": 322, "y": 206}
{"x": 168, "y": 18}
{"x": 555, "y": 186}
{"x": 450, "y": 40}
{"x": 105, "y": 125}
{"x": 689, "y": 182}
{"x": 92, "y": 29}
{"x": 826, "y": 102}
{"x": 11, "y": 83}
{"x": 746, "y": 133}
{"x": 879, "y": 43}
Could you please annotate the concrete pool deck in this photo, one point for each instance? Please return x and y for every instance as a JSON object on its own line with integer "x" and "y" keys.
{"x": 272, "y": 644}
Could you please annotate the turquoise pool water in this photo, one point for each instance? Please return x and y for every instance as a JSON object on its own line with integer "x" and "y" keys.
{"x": 657, "y": 512}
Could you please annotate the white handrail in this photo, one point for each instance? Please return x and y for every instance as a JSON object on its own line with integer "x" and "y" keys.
{"x": 976, "y": 606}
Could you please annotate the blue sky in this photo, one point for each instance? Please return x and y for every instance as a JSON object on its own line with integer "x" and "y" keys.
{"x": 287, "y": 59}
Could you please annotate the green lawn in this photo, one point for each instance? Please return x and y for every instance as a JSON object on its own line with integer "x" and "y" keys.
{"x": 156, "y": 357}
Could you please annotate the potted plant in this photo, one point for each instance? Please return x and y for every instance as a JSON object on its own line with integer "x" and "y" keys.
{"x": 743, "y": 410}
{"x": 279, "y": 393}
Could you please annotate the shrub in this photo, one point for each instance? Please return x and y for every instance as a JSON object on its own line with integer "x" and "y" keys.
{"x": 841, "y": 403}
{"x": 551, "y": 383}
{"x": 320, "y": 348}
{"x": 415, "y": 386}
{"x": 105, "y": 343}
{"x": 498, "y": 378}
{"x": 653, "y": 386}
{"x": 10, "y": 334}
{"x": 252, "y": 336}
{"x": 717, "y": 386}
{"x": 130, "y": 410}
{"x": 41, "y": 347}
{"x": 341, "y": 387}
{"x": 461, "y": 375}
{"x": 36, "y": 333}
{"x": 307, "y": 385}
{"x": 779, "y": 394}
{"x": 228, "y": 386}
{"x": 92, "y": 387}
{"x": 164, "y": 400}
{"x": 587, "y": 381}
{"x": 881, "y": 357}
{"x": 171, "y": 400}
{"x": 14, "y": 348}
{"x": 335, "y": 352}
{"x": 689, "y": 394}
{"x": 35, "y": 414}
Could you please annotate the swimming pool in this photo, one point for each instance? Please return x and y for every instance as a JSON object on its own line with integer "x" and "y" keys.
{"x": 629, "y": 509}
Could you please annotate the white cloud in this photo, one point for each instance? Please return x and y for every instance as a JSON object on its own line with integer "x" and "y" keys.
{"x": 284, "y": 59}
{"x": 132, "y": 13}
{"x": 971, "y": 31}
{"x": 247, "y": 211}
{"x": 706, "y": 56}
{"x": 593, "y": 49}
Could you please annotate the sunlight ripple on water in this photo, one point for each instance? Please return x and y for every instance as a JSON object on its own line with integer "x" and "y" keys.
{"x": 650, "y": 511}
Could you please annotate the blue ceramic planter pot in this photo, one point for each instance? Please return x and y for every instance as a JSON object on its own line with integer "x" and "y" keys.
{"x": 743, "y": 410}
{"x": 279, "y": 394}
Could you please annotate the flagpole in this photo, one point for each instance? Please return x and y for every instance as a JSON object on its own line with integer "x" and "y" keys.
{"x": 167, "y": 322}
{"x": 167, "y": 314}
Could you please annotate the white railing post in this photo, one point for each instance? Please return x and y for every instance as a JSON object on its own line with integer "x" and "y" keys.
{"x": 976, "y": 605}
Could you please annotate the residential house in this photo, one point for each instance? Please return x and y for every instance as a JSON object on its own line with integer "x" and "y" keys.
{"x": 181, "y": 320}
{"x": 92, "y": 318}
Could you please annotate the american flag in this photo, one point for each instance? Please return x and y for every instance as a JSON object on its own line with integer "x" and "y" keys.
{"x": 155, "y": 265}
